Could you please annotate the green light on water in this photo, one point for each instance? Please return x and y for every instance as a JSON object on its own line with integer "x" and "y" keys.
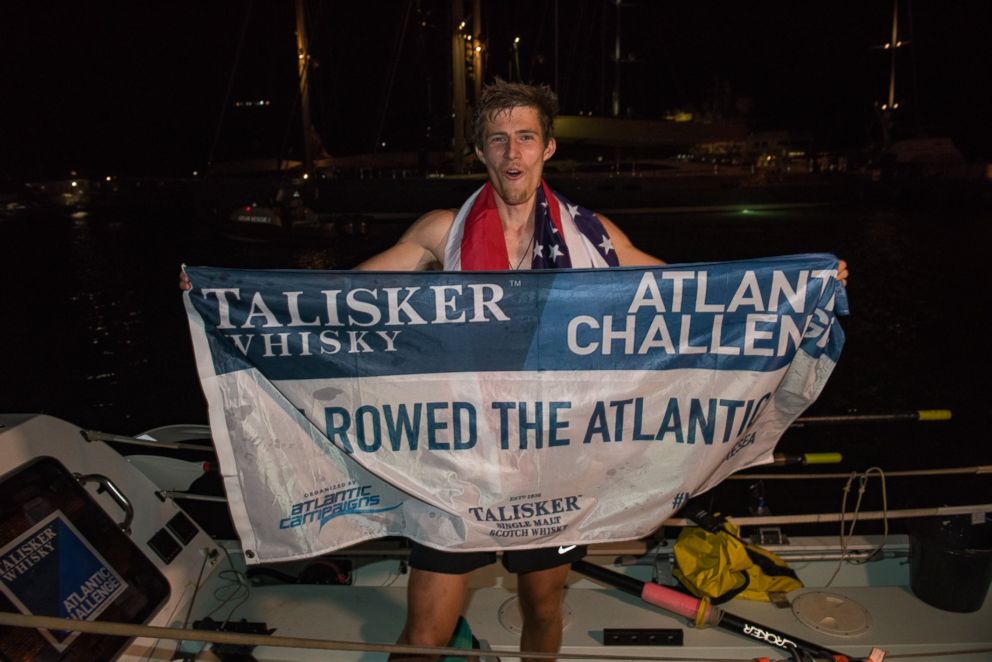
{"x": 745, "y": 211}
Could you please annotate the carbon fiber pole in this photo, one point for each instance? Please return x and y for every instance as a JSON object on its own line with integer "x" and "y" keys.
{"x": 690, "y": 607}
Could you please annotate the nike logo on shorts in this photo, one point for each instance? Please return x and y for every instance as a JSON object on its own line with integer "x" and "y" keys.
{"x": 566, "y": 550}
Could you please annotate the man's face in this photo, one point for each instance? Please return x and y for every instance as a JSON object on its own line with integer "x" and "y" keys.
{"x": 514, "y": 153}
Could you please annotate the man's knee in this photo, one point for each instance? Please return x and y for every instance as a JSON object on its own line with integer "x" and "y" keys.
{"x": 427, "y": 632}
{"x": 542, "y": 604}
{"x": 541, "y": 612}
{"x": 434, "y": 603}
{"x": 541, "y": 594}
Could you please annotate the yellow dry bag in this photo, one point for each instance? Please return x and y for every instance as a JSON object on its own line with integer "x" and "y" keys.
{"x": 720, "y": 566}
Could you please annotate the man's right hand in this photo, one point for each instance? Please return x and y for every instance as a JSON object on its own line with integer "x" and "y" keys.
{"x": 184, "y": 283}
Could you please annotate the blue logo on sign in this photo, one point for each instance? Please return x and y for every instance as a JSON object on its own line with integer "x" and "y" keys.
{"x": 51, "y": 570}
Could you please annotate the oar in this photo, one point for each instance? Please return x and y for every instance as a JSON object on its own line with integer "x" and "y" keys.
{"x": 806, "y": 459}
{"x": 921, "y": 415}
{"x": 702, "y": 613}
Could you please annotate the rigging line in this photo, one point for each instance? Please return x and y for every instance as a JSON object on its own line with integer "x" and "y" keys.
{"x": 844, "y": 536}
{"x": 822, "y": 518}
{"x": 111, "y": 628}
{"x": 542, "y": 22}
{"x": 943, "y": 653}
{"x": 978, "y": 470}
{"x": 392, "y": 75}
{"x": 230, "y": 85}
{"x": 196, "y": 588}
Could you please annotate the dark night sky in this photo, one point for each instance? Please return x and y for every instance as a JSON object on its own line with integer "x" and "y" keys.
{"x": 137, "y": 87}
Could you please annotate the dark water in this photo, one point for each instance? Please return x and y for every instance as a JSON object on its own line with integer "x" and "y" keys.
{"x": 94, "y": 330}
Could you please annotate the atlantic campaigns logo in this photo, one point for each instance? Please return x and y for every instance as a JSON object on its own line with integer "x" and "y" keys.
{"x": 52, "y": 570}
{"x": 327, "y": 503}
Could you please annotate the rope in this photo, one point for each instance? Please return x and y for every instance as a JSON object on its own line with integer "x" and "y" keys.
{"x": 951, "y": 471}
{"x": 230, "y": 86}
{"x": 960, "y": 651}
{"x": 237, "y": 586}
{"x": 820, "y": 518}
{"x": 154, "y": 632}
{"x": 862, "y": 488}
{"x": 196, "y": 590}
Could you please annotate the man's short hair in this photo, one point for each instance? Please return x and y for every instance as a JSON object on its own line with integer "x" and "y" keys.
{"x": 500, "y": 96}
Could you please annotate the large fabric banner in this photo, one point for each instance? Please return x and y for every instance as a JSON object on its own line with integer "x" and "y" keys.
{"x": 495, "y": 410}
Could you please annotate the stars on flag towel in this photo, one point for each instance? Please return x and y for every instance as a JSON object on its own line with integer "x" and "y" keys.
{"x": 550, "y": 251}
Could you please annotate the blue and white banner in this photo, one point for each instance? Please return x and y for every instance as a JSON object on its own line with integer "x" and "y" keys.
{"x": 490, "y": 410}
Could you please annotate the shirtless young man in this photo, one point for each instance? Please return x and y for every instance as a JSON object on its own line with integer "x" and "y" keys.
{"x": 513, "y": 138}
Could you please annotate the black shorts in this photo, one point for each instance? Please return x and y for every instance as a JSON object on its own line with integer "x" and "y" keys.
{"x": 520, "y": 561}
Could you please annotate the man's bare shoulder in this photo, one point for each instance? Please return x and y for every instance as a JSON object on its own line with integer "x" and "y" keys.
{"x": 432, "y": 224}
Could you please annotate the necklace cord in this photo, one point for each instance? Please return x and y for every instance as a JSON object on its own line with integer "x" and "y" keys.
{"x": 528, "y": 251}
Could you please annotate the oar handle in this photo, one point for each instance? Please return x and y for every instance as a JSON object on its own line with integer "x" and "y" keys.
{"x": 919, "y": 415}
{"x": 787, "y": 459}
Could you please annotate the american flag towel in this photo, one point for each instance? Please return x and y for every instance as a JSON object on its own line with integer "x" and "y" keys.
{"x": 565, "y": 235}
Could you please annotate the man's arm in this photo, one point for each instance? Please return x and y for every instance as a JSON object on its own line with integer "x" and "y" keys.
{"x": 632, "y": 256}
{"x": 629, "y": 254}
{"x": 420, "y": 248}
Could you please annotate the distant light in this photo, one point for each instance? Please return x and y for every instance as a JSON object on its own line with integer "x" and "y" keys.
{"x": 895, "y": 105}
{"x": 885, "y": 106}
{"x": 461, "y": 26}
{"x": 887, "y": 46}
{"x": 478, "y": 49}
{"x": 196, "y": 174}
{"x": 108, "y": 178}
{"x": 516, "y": 40}
{"x": 745, "y": 211}
{"x": 247, "y": 207}
{"x": 75, "y": 184}
{"x": 383, "y": 144}
{"x": 306, "y": 175}
{"x": 898, "y": 44}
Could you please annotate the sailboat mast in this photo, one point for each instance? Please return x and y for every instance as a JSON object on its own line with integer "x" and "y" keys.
{"x": 616, "y": 65}
{"x": 894, "y": 45}
{"x": 303, "y": 67}
{"x": 458, "y": 91}
{"x": 477, "y": 51}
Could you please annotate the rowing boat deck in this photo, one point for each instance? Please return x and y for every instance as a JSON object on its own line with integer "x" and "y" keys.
{"x": 371, "y": 609}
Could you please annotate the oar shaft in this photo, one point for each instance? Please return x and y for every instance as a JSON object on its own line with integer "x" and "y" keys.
{"x": 773, "y": 637}
{"x": 895, "y": 417}
{"x": 690, "y": 607}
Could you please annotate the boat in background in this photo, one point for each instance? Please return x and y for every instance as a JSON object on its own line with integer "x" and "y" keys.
{"x": 144, "y": 580}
